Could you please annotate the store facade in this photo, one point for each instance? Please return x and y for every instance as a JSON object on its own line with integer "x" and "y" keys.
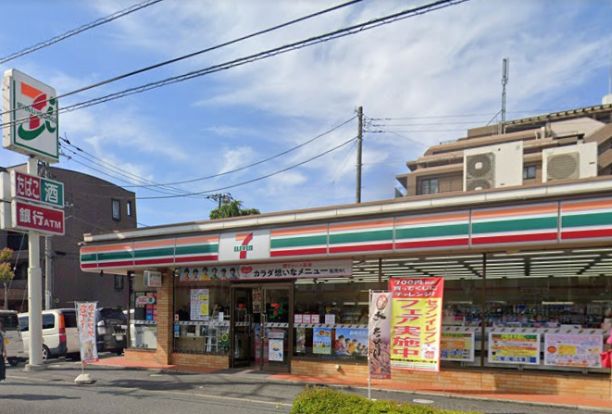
{"x": 288, "y": 292}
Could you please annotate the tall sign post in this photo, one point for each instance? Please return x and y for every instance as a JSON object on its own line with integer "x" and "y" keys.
{"x": 30, "y": 127}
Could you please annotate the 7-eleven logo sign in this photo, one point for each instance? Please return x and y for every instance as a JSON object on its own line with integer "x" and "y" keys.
{"x": 246, "y": 245}
{"x": 31, "y": 116}
{"x": 42, "y": 111}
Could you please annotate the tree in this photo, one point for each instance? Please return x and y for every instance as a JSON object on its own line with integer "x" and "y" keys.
{"x": 6, "y": 271}
{"x": 232, "y": 209}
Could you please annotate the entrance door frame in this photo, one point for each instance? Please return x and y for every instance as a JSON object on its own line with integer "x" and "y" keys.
{"x": 290, "y": 286}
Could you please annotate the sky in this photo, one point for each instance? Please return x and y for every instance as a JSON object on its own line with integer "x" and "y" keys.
{"x": 433, "y": 75}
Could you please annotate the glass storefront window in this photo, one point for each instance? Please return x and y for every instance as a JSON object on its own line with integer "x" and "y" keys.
{"x": 201, "y": 313}
{"x": 143, "y": 315}
{"x": 331, "y": 319}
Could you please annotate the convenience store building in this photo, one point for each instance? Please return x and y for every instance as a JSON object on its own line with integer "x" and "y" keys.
{"x": 264, "y": 291}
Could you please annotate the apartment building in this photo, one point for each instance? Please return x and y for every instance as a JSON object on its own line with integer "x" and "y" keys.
{"x": 565, "y": 145}
{"x": 92, "y": 205}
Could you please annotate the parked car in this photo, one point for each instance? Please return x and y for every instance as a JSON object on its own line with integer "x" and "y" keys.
{"x": 12, "y": 337}
{"x": 60, "y": 332}
{"x": 111, "y": 330}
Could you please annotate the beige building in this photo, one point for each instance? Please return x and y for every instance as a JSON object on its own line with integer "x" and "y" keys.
{"x": 558, "y": 146}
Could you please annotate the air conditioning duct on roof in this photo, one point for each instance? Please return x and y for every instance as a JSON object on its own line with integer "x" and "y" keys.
{"x": 493, "y": 166}
{"x": 571, "y": 162}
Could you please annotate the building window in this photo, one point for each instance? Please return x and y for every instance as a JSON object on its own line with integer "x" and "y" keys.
{"x": 129, "y": 208}
{"x": 529, "y": 172}
{"x": 116, "y": 205}
{"x": 429, "y": 186}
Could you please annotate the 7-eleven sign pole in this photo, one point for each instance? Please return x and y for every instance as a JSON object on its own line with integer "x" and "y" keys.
{"x": 34, "y": 289}
{"x": 30, "y": 127}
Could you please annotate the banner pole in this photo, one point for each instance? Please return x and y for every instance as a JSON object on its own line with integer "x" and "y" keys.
{"x": 369, "y": 350}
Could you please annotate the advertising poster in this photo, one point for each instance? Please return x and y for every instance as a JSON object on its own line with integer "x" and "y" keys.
{"x": 457, "y": 346}
{"x": 573, "y": 350}
{"x": 416, "y": 322}
{"x": 322, "y": 341}
{"x": 514, "y": 348}
{"x": 267, "y": 271}
{"x": 86, "y": 322}
{"x": 275, "y": 350}
{"x": 199, "y": 304}
{"x": 351, "y": 342}
{"x": 379, "y": 343}
{"x": 300, "y": 340}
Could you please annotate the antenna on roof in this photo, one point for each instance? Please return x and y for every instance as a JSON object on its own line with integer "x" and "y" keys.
{"x": 505, "y": 78}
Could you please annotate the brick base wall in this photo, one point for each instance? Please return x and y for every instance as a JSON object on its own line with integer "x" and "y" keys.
{"x": 144, "y": 356}
{"x": 463, "y": 380}
{"x": 199, "y": 361}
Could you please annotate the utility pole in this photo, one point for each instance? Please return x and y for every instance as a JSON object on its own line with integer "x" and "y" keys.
{"x": 359, "y": 148}
{"x": 505, "y": 77}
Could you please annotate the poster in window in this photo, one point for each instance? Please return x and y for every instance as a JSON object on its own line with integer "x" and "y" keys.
{"x": 321, "y": 341}
{"x": 275, "y": 350}
{"x": 573, "y": 350}
{"x": 514, "y": 348}
{"x": 351, "y": 342}
{"x": 457, "y": 346}
{"x": 300, "y": 340}
{"x": 199, "y": 308}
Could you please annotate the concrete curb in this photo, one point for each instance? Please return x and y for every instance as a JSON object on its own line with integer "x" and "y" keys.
{"x": 412, "y": 392}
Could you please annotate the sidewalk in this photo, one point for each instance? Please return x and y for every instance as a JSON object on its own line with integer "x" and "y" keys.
{"x": 533, "y": 399}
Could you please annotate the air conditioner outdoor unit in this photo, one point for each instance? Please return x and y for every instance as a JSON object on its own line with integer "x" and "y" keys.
{"x": 570, "y": 162}
{"x": 493, "y": 166}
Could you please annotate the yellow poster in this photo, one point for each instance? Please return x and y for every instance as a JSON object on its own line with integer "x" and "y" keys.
{"x": 416, "y": 322}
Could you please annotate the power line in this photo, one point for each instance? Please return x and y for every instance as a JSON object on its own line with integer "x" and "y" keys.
{"x": 80, "y": 29}
{"x": 263, "y": 177}
{"x": 102, "y": 169}
{"x": 244, "y": 167}
{"x": 206, "y": 50}
{"x": 112, "y": 167}
{"x": 346, "y": 31}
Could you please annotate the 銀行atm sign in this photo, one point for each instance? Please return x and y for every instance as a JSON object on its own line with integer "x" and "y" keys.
{"x": 37, "y": 189}
{"x": 26, "y": 216}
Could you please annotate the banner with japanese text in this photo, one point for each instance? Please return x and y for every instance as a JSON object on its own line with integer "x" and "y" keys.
{"x": 86, "y": 322}
{"x": 379, "y": 335}
{"x": 416, "y": 322}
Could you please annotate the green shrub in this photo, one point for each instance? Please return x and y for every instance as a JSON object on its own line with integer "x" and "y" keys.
{"x": 319, "y": 400}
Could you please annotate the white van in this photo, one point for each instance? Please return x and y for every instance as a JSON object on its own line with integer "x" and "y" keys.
{"x": 12, "y": 337}
{"x": 60, "y": 332}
